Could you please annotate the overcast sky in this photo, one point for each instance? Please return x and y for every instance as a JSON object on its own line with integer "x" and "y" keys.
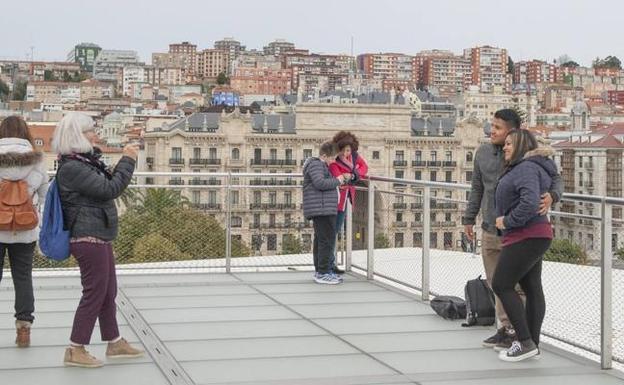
{"x": 541, "y": 29}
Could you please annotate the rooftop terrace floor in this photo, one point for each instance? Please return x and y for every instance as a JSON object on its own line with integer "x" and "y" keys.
{"x": 271, "y": 328}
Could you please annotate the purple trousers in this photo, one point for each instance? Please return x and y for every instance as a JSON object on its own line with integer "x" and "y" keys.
{"x": 99, "y": 289}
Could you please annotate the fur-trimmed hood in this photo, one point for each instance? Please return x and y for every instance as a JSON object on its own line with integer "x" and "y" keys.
{"x": 18, "y": 158}
{"x": 545, "y": 151}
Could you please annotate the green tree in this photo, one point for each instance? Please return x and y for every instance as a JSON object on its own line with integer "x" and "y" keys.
{"x": 510, "y": 65}
{"x": 381, "y": 241}
{"x": 563, "y": 250}
{"x": 521, "y": 113}
{"x": 570, "y": 64}
{"x": 4, "y": 91}
{"x": 608, "y": 62}
{"x": 19, "y": 89}
{"x": 292, "y": 245}
{"x": 49, "y": 76}
{"x": 223, "y": 79}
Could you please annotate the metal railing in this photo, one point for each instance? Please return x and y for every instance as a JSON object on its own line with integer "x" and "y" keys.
{"x": 152, "y": 213}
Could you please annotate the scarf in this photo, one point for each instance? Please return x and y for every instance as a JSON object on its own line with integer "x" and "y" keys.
{"x": 92, "y": 158}
{"x": 347, "y": 161}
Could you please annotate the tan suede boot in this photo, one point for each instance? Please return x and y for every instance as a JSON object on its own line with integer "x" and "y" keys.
{"x": 122, "y": 349}
{"x": 80, "y": 357}
{"x": 22, "y": 340}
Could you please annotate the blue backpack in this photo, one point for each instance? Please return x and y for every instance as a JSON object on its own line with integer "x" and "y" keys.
{"x": 53, "y": 239}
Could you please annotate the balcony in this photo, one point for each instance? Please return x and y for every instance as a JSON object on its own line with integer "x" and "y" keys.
{"x": 272, "y": 206}
{"x": 205, "y": 182}
{"x": 207, "y": 206}
{"x": 204, "y": 162}
{"x": 419, "y": 163}
{"x": 400, "y": 163}
{"x": 399, "y": 206}
{"x": 417, "y": 206}
{"x": 149, "y": 160}
{"x": 176, "y": 161}
{"x": 273, "y": 162}
{"x": 176, "y": 182}
{"x": 434, "y": 163}
{"x": 229, "y": 319}
{"x": 400, "y": 225}
{"x": 449, "y": 163}
{"x": 444, "y": 205}
{"x": 444, "y": 224}
{"x": 272, "y": 182}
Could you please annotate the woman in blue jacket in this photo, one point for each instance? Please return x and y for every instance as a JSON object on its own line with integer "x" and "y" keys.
{"x": 526, "y": 236}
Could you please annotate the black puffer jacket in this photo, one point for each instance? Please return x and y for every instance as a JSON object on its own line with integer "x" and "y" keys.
{"x": 88, "y": 194}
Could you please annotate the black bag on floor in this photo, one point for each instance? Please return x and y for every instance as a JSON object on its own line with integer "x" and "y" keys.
{"x": 449, "y": 307}
{"x": 480, "y": 308}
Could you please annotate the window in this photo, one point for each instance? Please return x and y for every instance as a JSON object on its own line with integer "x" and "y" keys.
{"x": 447, "y": 217}
{"x": 307, "y": 153}
{"x": 449, "y": 176}
{"x": 417, "y": 175}
{"x": 272, "y": 220}
{"x": 433, "y": 240}
{"x": 288, "y": 218}
{"x": 590, "y": 241}
{"x": 257, "y": 197}
{"x": 449, "y": 156}
{"x": 271, "y": 242}
{"x": 580, "y": 161}
{"x": 176, "y": 152}
{"x": 212, "y": 197}
{"x": 234, "y": 197}
{"x": 398, "y": 174}
{"x": 257, "y": 153}
{"x": 306, "y": 239}
{"x": 256, "y": 242}
{"x": 433, "y": 217}
{"x": 237, "y": 222}
{"x": 417, "y": 239}
{"x": 580, "y": 177}
{"x": 469, "y": 157}
{"x": 235, "y": 154}
{"x": 196, "y": 197}
{"x": 418, "y": 156}
{"x": 376, "y": 155}
{"x": 272, "y": 197}
{"x": 288, "y": 197}
{"x": 434, "y": 156}
{"x": 468, "y": 176}
{"x": 448, "y": 194}
{"x": 399, "y": 155}
{"x": 212, "y": 153}
{"x": 256, "y": 219}
{"x": 273, "y": 154}
{"x": 418, "y": 217}
{"x": 433, "y": 176}
{"x": 399, "y": 217}
{"x": 448, "y": 240}
{"x": 398, "y": 240}
{"x": 288, "y": 154}
{"x": 196, "y": 153}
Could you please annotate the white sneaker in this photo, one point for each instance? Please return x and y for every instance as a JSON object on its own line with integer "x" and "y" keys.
{"x": 327, "y": 279}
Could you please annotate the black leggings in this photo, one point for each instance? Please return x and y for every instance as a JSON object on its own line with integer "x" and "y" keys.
{"x": 521, "y": 263}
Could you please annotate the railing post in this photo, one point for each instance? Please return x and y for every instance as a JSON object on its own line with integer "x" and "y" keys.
{"x": 370, "y": 255}
{"x": 228, "y": 224}
{"x": 606, "y": 288}
{"x": 426, "y": 243}
{"x": 349, "y": 236}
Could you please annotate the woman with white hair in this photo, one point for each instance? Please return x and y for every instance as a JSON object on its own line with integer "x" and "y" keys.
{"x": 88, "y": 188}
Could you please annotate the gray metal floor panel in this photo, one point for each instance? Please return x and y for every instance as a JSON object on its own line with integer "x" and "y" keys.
{"x": 273, "y": 328}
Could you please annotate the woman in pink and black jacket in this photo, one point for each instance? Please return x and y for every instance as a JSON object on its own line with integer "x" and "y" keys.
{"x": 347, "y": 162}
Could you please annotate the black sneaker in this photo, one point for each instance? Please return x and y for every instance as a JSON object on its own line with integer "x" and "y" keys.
{"x": 519, "y": 351}
{"x": 338, "y": 270}
{"x": 505, "y": 343}
{"x": 495, "y": 339}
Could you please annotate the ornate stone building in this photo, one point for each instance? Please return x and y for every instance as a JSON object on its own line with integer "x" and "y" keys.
{"x": 265, "y": 210}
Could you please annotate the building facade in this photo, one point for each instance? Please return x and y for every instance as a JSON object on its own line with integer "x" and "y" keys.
{"x": 258, "y": 81}
{"x": 212, "y": 62}
{"x": 109, "y": 64}
{"x": 269, "y": 209}
{"x": 489, "y": 67}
